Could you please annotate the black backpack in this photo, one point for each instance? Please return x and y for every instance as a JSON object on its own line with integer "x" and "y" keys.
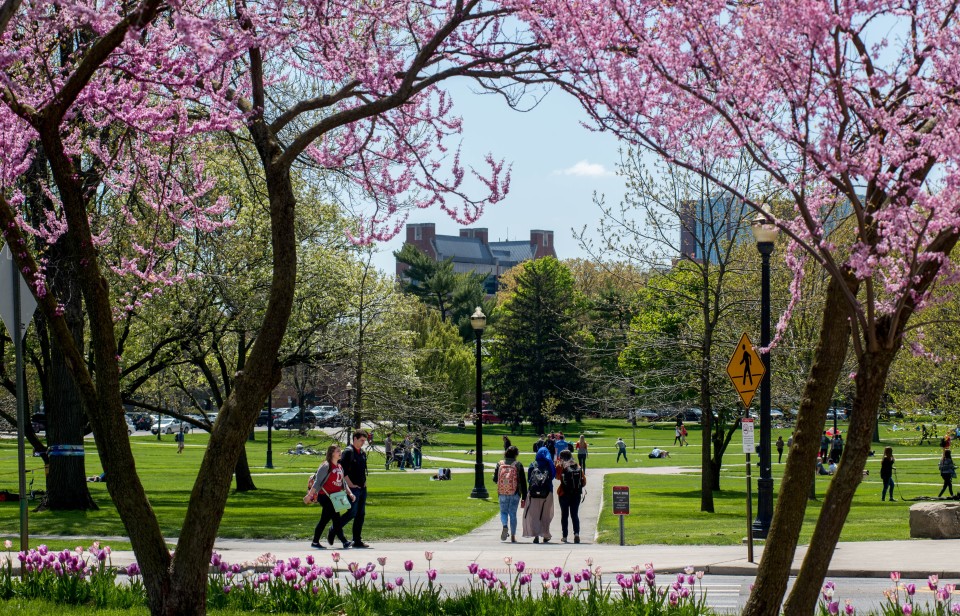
{"x": 572, "y": 481}
{"x": 540, "y": 483}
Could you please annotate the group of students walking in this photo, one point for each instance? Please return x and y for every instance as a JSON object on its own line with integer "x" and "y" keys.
{"x": 532, "y": 490}
{"x": 340, "y": 488}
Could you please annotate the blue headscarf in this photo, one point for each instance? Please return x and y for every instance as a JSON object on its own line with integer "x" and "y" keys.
{"x": 544, "y": 462}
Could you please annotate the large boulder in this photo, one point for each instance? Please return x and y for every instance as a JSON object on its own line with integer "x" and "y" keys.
{"x": 935, "y": 520}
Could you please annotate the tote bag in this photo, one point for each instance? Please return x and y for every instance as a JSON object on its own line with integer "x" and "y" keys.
{"x": 340, "y": 501}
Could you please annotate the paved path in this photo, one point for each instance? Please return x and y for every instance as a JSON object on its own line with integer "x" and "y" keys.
{"x": 913, "y": 558}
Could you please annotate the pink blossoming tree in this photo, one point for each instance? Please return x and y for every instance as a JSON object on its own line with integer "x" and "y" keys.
{"x": 351, "y": 91}
{"x": 850, "y": 108}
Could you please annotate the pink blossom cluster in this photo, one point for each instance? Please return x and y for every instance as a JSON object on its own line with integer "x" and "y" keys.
{"x": 855, "y": 125}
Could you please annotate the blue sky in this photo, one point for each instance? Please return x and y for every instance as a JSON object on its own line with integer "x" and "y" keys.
{"x": 558, "y": 165}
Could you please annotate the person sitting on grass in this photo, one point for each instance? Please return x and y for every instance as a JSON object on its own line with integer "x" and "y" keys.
{"x": 821, "y": 469}
{"x": 659, "y": 453}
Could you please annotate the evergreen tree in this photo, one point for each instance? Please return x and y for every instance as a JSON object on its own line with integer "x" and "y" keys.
{"x": 534, "y": 351}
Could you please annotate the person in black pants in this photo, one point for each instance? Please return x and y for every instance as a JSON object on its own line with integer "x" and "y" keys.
{"x": 886, "y": 472}
{"x": 329, "y": 480}
{"x": 947, "y": 471}
{"x": 572, "y": 481}
{"x": 355, "y": 475}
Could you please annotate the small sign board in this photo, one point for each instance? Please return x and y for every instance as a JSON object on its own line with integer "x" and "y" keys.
{"x": 28, "y": 303}
{"x": 621, "y": 500}
{"x": 745, "y": 370}
{"x": 746, "y": 426}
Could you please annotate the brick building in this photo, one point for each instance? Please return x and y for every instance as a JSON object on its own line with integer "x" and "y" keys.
{"x": 472, "y": 250}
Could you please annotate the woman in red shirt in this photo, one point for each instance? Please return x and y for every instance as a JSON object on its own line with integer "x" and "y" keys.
{"x": 327, "y": 481}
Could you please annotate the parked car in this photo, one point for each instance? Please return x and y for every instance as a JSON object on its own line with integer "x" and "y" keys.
{"x": 169, "y": 425}
{"x": 776, "y": 414}
{"x": 643, "y": 414}
{"x": 327, "y": 416}
{"x": 140, "y": 421}
{"x": 836, "y": 412}
{"x": 488, "y": 417}
{"x": 291, "y": 419}
{"x": 264, "y": 417}
{"x": 693, "y": 415}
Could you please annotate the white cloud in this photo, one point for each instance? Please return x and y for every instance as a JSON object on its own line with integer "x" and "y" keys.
{"x": 586, "y": 169}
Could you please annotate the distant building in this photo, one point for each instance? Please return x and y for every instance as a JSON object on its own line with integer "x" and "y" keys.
{"x": 711, "y": 225}
{"x": 472, "y": 250}
{"x": 708, "y": 226}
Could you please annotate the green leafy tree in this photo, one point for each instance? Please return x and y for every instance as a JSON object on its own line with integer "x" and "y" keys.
{"x": 534, "y": 353}
{"x": 454, "y": 295}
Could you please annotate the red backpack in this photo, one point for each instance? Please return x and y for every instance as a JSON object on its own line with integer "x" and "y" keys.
{"x": 507, "y": 479}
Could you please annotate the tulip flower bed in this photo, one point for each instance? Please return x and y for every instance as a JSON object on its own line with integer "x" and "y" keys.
{"x": 85, "y": 578}
{"x": 899, "y": 600}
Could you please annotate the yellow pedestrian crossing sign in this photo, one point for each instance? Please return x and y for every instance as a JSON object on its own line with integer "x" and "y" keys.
{"x": 745, "y": 370}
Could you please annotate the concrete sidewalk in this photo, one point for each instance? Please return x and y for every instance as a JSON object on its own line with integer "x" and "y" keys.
{"x": 913, "y": 558}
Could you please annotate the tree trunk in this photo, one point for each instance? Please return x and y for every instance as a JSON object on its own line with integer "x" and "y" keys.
{"x": 242, "y": 474}
{"x": 66, "y": 420}
{"x": 871, "y": 379}
{"x": 774, "y": 570}
{"x": 188, "y": 588}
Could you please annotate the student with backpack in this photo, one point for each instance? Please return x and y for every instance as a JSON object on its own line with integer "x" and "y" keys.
{"x": 512, "y": 490}
{"x": 538, "y": 512}
{"x": 572, "y": 480}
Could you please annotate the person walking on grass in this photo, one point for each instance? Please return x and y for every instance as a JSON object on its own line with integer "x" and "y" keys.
{"x": 582, "y": 452}
{"x": 886, "y": 473}
{"x": 355, "y": 474}
{"x": 621, "y": 450}
{"x": 538, "y": 512}
{"x": 511, "y": 483}
{"x": 327, "y": 481}
{"x": 569, "y": 493}
{"x": 948, "y": 470}
{"x": 779, "y": 449}
{"x": 676, "y": 434}
{"x": 179, "y": 438}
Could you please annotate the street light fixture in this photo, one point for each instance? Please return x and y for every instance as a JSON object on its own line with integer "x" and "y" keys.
{"x": 478, "y": 321}
{"x": 765, "y": 233}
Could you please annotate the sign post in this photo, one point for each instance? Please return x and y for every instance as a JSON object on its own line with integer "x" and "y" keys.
{"x": 16, "y": 305}
{"x": 746, "y": 372}
{"x": 621, "y": 506}
{"x": 748, "y": 444}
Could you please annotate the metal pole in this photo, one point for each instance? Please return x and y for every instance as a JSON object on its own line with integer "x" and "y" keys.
{"x": 479, "y": 490}
{"x": 622, "y": 538}
{"x": 761, "y": 526}
{"x": 270, "y": 430}
{"x": 21, "y": 408}
{"x": 749, "y": 513}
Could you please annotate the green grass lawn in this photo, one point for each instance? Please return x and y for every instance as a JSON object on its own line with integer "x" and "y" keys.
{"x": 666, "y": 507}
{"x": 274, "y": 510}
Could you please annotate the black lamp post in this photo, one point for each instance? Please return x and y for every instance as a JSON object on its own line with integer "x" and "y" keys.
{"x": 765, "y": 233}
{"x": 270, "y": 430}
{"x": 479, "y": 321}
{"x": 349, "y": 389}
